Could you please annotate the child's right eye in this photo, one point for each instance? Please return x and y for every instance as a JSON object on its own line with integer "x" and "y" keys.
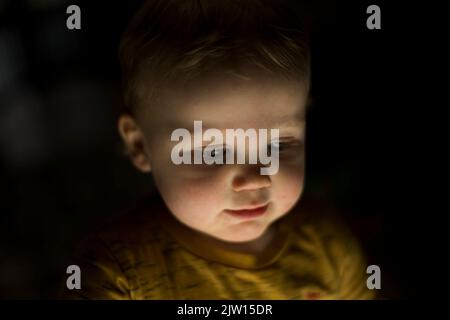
{"x": 215, "y": 152}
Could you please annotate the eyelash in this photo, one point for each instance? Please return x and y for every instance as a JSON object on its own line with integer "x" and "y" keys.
{"x": 285, "y": 145}
{"x": 281, "y": 146}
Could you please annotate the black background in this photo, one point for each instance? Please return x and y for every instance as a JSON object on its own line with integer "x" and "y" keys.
{"x": 62, "y": 171}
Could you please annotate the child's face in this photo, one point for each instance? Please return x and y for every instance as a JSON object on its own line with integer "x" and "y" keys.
{"x": 199, "y": 195}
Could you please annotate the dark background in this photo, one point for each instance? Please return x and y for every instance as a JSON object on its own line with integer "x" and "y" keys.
{"x": 62, "y": 170}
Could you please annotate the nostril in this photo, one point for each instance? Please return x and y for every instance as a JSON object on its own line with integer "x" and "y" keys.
{"x": 238, "y": 182}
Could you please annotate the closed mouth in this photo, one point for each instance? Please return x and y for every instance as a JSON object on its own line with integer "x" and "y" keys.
{"x": 248, "y": 213}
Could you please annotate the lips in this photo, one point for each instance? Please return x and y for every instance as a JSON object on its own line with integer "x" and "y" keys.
{"x": 248, "y": 213}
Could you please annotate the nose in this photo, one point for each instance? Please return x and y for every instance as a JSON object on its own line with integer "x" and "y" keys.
{"x": 249, "y": 178}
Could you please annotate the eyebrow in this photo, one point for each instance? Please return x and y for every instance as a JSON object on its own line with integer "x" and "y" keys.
{"x": 285, "y": 122}
{"x": 284, "y": 139}
{"x": 289, "y": 122}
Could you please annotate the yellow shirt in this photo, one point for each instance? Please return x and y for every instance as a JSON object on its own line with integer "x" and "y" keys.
{"x": 149, "y": 254}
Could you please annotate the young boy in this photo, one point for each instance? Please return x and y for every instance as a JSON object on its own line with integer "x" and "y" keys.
{"x": 223, "y": 230}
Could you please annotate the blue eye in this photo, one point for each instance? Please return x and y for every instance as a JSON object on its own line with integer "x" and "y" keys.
{"x": 217, "y": 151}
{"x": 275, "y": 145}
{"x": 284, "y": 146}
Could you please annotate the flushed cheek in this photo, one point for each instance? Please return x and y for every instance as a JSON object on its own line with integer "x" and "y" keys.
{"x": 197, "y": 202}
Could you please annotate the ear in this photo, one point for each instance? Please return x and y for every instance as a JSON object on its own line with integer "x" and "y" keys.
{"x": 134, "y": 140}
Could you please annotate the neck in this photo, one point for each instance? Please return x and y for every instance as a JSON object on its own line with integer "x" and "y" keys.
{"x": 253, "y": 246}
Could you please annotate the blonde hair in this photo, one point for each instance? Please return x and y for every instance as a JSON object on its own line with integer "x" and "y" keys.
{"x": 178, "y": 40}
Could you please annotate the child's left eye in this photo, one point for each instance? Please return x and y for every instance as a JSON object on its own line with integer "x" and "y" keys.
{"x": 279, "y": 145}
{"x": 284, "y": 147}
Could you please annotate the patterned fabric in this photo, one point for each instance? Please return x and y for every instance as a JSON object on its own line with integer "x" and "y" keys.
{"x": 149, "y": 254}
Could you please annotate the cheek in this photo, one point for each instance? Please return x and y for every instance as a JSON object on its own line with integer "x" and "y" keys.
{"x": 288, "y": 186}
{"x": 204, "y": 192}
{"x": 194, "y": 201}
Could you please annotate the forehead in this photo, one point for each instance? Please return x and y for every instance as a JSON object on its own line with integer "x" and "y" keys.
{"x": 232, "y": 102}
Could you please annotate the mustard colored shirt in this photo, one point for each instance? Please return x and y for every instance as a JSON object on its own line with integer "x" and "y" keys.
{"x": 148, "y": 254}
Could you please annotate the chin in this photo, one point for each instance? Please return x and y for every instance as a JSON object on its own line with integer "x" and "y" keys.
{"x": 243, "y": 236}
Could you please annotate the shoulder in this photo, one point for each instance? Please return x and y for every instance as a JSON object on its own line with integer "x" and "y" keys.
{"x": 318, "y": 219}
{"x": 114, "y": 255}
{"x": 135, "y": 226}
{"x": 319, "y": 232}
{"x": 134, "y": 236}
